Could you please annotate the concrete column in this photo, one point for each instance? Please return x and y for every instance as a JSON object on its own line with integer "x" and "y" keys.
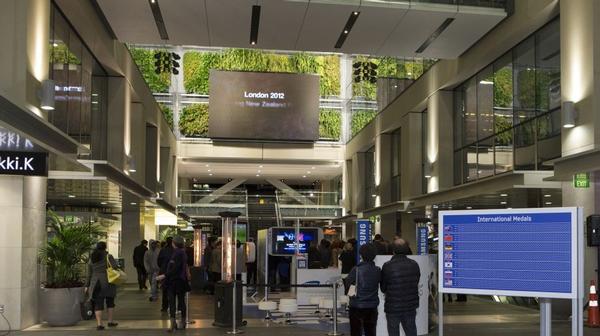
{"x": 580, "y": 72}
{"x": 439, "y": 147}
{"x": 347, "y": 186}
{"x": 132, "y": 232}
{"x": 24, "y": 35}
{"x": 119, "y": 110}
{"x": 138, "y": 143}
{"x": 22, "y": 233}
{"x": 383, "y": 181}
{"x": 358, "y": 182}
{"x": 410, "y": 165}
{"x": 176, "y": 89}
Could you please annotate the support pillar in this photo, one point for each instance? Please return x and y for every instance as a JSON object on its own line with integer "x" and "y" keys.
{"x": 132, "y": 232}
{"x": 439, "y": 146}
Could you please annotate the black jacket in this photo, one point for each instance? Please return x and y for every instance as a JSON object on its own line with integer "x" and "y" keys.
{"x": 164, "y": 256}
{"x": 348, "y": 259}
{"x": 367, "y": 289}
{"x": 138, "y": 255}
{"x": 400, "y": 284}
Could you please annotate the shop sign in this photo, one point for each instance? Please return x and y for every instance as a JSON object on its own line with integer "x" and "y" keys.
{"x": 23, "y": 163}
{"x": 581, "y": 180}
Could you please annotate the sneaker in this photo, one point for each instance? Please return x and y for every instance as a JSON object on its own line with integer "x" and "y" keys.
{"x": 100, "y": 327}
{"x": 113, "y": 324}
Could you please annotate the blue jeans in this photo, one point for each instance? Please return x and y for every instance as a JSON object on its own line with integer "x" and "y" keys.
{"x": 406, "y": 319}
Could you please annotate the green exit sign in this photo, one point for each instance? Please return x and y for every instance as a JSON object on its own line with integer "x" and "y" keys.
{"x": 581, "y": 180}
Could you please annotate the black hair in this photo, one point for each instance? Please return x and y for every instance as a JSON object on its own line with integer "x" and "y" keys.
{"x": 144, "y": 242}
{"x": 401, "y": 247}
{"x": 169, "y": 241}
{"x": 99, "y": 252}
{"x": 367, "y": 252}
{"x": 378, "y": 237}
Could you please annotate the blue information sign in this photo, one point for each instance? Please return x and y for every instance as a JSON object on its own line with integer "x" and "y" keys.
{"x": 363, "y": 229}
{"x": 526, "y": 252}
{"x": 422, "y": 240}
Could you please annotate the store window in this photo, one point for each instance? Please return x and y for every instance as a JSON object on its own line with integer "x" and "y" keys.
{"x": 80, "y": 85}
{"x": 370, "y": 188}
{"x": 507, "y": 117}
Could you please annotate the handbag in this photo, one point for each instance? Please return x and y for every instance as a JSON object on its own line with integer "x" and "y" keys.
{"x": 353, "y": 290}
{"x": 87, "y": 310}
{"x": 115, "y": 275}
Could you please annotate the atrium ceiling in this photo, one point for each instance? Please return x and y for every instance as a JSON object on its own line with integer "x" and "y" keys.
{"x": 383, "y": 28}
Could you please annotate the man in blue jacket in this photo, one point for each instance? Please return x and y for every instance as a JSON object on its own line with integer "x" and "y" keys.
{"x": 400, "y": 285}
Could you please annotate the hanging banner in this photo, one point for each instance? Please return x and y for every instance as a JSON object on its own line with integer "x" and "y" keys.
{"x": 422, "y": 239}
{"x": 363, "y": 234}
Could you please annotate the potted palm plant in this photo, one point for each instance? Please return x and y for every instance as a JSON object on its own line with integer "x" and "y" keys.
{"x": 65, "y": 257}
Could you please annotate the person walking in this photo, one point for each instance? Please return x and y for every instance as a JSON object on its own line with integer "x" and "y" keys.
{"x": 325, "y": 251}
{"x": 138, "y": 262}
{"x": 97, "y": 287}
{"x": 215, "y": 262}
{"x": 336, "y": 250}
{"x": 207, "y": 257}
{"x": 177, "y": 283}
{"x": 400, "y": 285}
{"x": 348, "y": 258}
{"x": 164, "y": 256}
{"x": 251, "y": 261}
{"x": 363, "y": 305}
{"x": 151, "y": 265}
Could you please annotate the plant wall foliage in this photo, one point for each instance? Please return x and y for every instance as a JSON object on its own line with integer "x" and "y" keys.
{"x": 144, "y": 58}
{"x": 193, "y": 120}
{"x": 197, "y": 66}
{"x": 360, "y": 119}
{"x": 330, "y": 123}
{"x": 168, "y": 113}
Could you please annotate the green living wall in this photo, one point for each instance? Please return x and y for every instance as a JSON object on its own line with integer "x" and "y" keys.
{"x": 193, "y": 120}
{"x": 330, "y": 124}
{"x": 197, "y": 66}
{"x": 168, "y": 113}
{"x": 144, "y": 58}
{"x": 360, "y": 119}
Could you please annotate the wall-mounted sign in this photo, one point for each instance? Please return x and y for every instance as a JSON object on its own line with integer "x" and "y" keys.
{"x": 23, "y": 163}
{"x": 581, "y": 180}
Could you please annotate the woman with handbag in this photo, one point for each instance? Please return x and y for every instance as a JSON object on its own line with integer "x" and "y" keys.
{"x": 363, "y": 283}
{"x": 98, "y": 287}
{"x": 176, "y": 282}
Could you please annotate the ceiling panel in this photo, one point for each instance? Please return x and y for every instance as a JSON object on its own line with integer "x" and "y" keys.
{"x": 185, "y": 21}
{"x": 131, "y": 20}
{"x": 382, "y": 28}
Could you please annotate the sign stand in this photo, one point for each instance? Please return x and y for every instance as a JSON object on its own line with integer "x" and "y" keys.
{"x": 577, "y": 277}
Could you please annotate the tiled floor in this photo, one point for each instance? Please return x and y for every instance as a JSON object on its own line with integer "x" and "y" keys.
{"x": 137, "y": 316}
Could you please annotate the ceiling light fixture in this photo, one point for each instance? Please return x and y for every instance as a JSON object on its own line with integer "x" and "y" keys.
{"x": 257, "y": 175}
{"x": 548, "y": 203}
{"x": 503, "y": 202}
{"x": 434, "y": 35}
{"x": 260, "y": 166}
{"x": 133, "y": 203}
{"x": 303, "y": 176}
{"x": 347, "y": 28}
{"x": 427, "y": 170}
{"x": 103, "y": 203}
{"x": 71, "y": 196}
{"x": 503, "y": 195}
{"x": 254, "y": 24}
{"x": 547, "y": 195}
{"x": 312, "y": 168}
{"x": 210, "y": 174}
{"x": 158, "y": 19}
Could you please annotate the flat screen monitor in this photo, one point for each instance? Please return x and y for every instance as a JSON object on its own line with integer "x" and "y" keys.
{"x": 283, "y": 240}
{"x": 263, "y": 106}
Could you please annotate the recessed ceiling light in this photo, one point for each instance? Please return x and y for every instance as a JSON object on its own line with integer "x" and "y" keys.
{"x": 260, "y": 166}
{"x": 259, "y": 170}
{"x": 308, "y": 172}
{"x": 503, "y": 203}
{"x": 469, "y": 208}
{"x": 312, "y": 167}
{"x": 373, "y": 195}
{"x": 257, "y": 175}
{"x": 346, "y": 31}
{"x": 304, "y": 176}
{"x": 548, "y": 203}
{"x": 210, "y": 174}
{"x": 503, "y": 195}
{"x": 409, "y": 212}
{"x": 254, "y": 24}
{"x": 547, "y": 195}
{"x": 354, "y": 13}
{"x": 132, "y": 170}
{"x": 103, "y": 203}
{"x": 207, "y": 165}
{"x": 133, "y": 203}
{"x": 209, "y": 170}
{"x": 71, "y": 196}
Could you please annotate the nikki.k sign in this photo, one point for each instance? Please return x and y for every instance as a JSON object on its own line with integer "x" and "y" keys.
{"x": 23, "y": 163}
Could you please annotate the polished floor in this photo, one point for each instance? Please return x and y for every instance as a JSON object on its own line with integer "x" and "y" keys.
{"x": 137, "y": 316}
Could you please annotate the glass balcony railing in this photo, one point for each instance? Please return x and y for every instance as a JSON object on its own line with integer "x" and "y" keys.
{"x": 208, "y": 203}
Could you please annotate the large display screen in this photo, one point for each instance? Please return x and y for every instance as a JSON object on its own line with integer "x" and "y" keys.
{"x": 283, "y": 240}
{"x": 263, "y": 106}
{"x": 520, "y": 252}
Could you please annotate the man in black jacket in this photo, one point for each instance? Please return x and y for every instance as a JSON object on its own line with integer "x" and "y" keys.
{"x": 164, "y": 256}
{"x": 138, "y": 263}
{"x": 400, "y": 285}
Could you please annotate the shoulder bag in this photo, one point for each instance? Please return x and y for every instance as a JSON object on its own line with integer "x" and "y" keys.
{"x": 115, "y": 276}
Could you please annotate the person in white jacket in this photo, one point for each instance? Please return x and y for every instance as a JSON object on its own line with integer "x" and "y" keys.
{"x": 152, "y": 268}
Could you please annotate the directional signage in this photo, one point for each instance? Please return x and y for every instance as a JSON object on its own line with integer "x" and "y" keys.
{"x": 23, "y": 163}
{"x": 524, "y": 252}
